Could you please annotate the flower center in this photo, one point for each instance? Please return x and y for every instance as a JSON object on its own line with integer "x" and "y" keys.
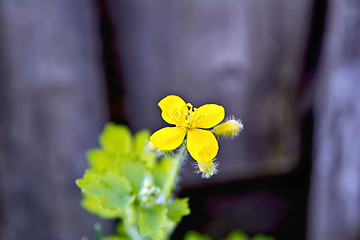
{"x": 191, "y": 117}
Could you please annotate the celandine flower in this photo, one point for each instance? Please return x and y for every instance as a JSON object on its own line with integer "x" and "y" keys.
{"x": 191, "y": 122}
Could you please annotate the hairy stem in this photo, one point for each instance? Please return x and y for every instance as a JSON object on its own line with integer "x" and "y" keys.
{"x": 178, "y": 159}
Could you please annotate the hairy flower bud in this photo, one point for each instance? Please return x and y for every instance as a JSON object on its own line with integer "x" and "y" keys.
{"x": 207, "y": 168}
{"x": 231, "y": 127}
{"x": 151, "y": 147}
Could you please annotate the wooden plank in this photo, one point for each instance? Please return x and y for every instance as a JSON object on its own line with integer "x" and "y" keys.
{"x": 335, "y": 185}
{"x": 244, "y": 55}
{"x": 52, "y": 110}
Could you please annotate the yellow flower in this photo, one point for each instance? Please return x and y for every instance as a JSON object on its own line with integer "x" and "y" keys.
{"x": 201, "y": 144}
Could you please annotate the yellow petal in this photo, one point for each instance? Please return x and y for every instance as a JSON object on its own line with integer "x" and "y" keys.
{"x": 168, "y": 138}
{"x": 202, "y": 145}
{"x": 174, "y": 110}
{"x": 208, "y": 116}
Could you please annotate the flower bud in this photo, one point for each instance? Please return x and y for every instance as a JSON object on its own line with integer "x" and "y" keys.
{"x": 152, "y": 147}
{"x": 149, "y": 193}
{"x": 229, "y": 128}
{"x": 207, "y": 168}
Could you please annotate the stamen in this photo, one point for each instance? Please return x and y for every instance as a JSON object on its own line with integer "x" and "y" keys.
{"x": 191, "y": 108}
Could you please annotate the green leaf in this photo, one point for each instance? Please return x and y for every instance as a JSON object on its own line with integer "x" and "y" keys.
{"x": 115, "y": 203}
{"x": 162, "y": 173}
{"x": 262, "y": 237}
{"x": 147, "y": 158}
{"x": 121, "y": 229}
{"x": 100, "y": 159}
{"x": 92, "y": 205}
{"x": 237, "y": 235}
{"x": 178, "y": 208}
{"x": 141, "y": 139}
{"x": 153, "y": 221}
{"x": 134, "y": 171}
{"x": 114, "y": 237}
{"x": 193, "y": 235}
{"x": 112, "y": 190}
{"x": 116, "y": 138}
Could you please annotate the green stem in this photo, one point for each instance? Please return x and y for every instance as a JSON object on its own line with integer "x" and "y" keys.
{"x": 175, "y": 172}
{"x": 98, "y": 231}
{"x": 131, "y": 222}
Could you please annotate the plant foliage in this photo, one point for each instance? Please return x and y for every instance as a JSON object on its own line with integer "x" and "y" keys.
{"x": 126, "y": 182}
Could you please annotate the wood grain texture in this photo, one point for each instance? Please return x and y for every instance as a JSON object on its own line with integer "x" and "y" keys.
{"x": 52, "y": 110}
{"x": 335, "y": 188}
{"x": 243, "y": 55}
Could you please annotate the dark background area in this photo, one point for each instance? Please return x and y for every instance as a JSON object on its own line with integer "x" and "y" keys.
{"x": 289, "y": 69}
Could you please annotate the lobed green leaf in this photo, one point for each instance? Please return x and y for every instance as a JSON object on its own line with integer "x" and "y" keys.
{"x": 153, "y": 221}
{"x": 177, "y": 209}
{"x": 100, "y": 160}
{"x": 193, "y": 235}
{"x": 92, "y": 205}
{"x": 116, "y": 138}
{"x": 237, "y": 235}
{"x": 260, "y": 236}
{"x": 134, "y": 170}
{"x": 112, "y": 190}
{"x": 141, "y": 139}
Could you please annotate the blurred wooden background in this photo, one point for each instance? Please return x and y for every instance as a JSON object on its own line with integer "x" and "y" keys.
{"x": 289, "y": 69}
